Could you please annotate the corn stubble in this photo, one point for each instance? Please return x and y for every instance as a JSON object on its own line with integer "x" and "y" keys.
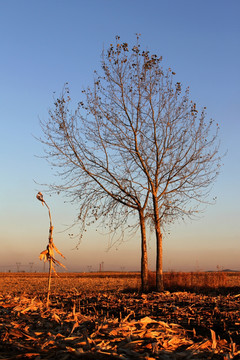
{"x": 94, "y": 317}
{"x": 48, "y": 254}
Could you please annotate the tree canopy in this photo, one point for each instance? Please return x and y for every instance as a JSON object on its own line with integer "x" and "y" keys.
{"x": 136, "y": 144}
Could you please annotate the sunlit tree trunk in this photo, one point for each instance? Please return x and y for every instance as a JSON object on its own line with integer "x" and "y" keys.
{"x": 144, "y": 258}
{"x": 159, "y": 257}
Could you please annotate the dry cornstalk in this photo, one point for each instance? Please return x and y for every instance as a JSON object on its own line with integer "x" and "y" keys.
{"x": 48, "y": 254}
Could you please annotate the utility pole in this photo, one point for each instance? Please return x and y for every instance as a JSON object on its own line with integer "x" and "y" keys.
{"x": 101, "y": 266}
{"x": 18, "y": 266}
{"x": 31, "y": 266}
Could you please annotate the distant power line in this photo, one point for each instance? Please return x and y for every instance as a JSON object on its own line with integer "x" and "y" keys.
{"x": 19, "y": 267}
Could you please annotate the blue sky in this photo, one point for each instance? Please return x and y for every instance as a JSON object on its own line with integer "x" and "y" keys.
{"x": 43, "y": 45}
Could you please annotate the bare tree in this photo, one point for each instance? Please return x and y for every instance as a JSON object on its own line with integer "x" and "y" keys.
{"x": 159, "y": 129}
{"x": 95, "y": 174}
{"x": 139, "y": 141}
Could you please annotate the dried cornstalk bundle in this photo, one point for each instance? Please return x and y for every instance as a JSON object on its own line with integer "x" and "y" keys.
{"x": 48, "y": 254}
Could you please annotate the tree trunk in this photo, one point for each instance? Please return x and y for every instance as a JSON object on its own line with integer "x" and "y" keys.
{"x": 159, "y": 263}
{"x": 144, "y": 258}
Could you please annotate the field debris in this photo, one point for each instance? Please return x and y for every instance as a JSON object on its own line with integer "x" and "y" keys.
{"x": 110, "y": 325}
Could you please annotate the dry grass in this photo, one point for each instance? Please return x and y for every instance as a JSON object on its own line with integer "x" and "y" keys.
{"x": 196, "y": 281}
{"x": 118, "y": 281}
{"x": 80, "y": 282}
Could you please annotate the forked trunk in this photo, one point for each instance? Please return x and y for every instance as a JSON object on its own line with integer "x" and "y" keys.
{"x": 144, "y": 258}
{"x": 159, "y": 263}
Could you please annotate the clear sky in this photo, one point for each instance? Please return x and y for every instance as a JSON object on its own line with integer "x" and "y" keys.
{"x": 46, "y": 43}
